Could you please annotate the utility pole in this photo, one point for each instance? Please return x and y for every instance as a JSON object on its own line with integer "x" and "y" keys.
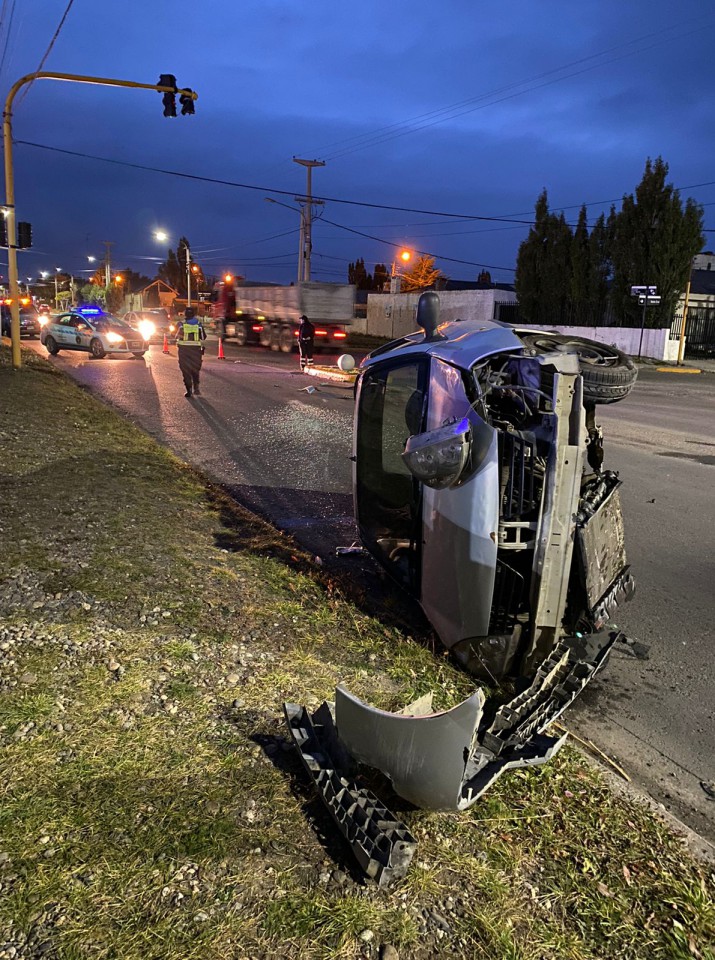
{"x": 307, "y": 219}
{"x": 188, "y": 275}
{"x": 107, "y": 263}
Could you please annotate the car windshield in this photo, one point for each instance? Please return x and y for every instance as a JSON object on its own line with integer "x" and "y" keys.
{"x": 108, "y": 322}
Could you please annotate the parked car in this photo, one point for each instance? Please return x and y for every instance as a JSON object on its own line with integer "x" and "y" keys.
{"x": 92, "y": 330}
{"x": 153, "y": 323}
{"x": 29, "y": 321}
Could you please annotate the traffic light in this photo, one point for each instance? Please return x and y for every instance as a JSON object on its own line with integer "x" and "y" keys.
{"x": 3, "y": 231}
{"x": 187, "y": 103}
{"x": 24, "y": 235}
{"x": 169, "y": 99}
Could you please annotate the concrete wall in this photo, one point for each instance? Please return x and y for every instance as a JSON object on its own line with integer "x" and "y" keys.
{"x": 657, "y": 344}
{"x": 393, "y": 315}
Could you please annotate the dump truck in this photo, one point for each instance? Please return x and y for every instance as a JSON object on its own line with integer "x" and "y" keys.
{"x": 269, "y": 315}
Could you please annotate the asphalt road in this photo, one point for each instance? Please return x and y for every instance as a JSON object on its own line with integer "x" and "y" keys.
{"x": 283, "y": 451}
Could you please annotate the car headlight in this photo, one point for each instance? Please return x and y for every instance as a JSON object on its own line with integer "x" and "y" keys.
{"x": 42, "y": 320}
{"x": 147, "y": 328}
{"x": 113, "y": 337}
{"x": 438, "y": 458}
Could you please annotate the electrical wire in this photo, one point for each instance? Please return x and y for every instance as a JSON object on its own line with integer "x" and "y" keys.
{"x": 263, "y": 189}
{"x": 47, "y": 52}
{"x": 7, "y": 37}
{"x": 444, "y": 114}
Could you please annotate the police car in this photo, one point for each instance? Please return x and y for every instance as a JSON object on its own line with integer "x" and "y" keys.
{"x": 92, "y": 330}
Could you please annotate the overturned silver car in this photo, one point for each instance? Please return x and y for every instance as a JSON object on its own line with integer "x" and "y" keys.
{"x": 479, "y": 487}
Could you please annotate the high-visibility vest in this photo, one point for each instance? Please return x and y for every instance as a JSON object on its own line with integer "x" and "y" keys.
{"x": 190, "y": 334}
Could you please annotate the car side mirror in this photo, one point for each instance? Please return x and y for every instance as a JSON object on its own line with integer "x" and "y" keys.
{"x": 438, "y": 458}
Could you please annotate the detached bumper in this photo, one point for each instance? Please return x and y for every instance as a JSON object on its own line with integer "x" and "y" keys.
{"x": 447, "y": 760}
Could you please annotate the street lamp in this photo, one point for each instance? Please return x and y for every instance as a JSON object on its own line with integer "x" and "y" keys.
{"x": 162, "y": 236}
{"x": 405, "y": 256}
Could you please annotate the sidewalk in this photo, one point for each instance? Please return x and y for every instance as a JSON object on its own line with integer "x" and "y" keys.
{"x": 151, "y": 807}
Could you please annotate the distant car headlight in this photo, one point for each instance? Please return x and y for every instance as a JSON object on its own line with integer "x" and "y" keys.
{"x": 147, "y": 328}
{"x": 43, "y": 320}
{"x": 113, "y": 337}
{"x": 172, "y": 328}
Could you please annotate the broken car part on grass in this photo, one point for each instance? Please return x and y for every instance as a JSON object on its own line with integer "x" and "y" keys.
{"x": 479, "y": 487}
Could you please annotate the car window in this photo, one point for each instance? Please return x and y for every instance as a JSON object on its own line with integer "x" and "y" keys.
{"x": 388, "y": 497}
{"x": 65, "y": 320}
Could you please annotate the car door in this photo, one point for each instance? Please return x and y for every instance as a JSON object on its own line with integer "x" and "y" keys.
{"x": 62, "y": 331}
{"x": 83, "y": 332}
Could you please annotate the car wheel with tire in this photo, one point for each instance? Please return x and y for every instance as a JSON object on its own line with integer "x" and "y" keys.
{"x": 51, "y": 346}
{"x": 139, "y": 354}
{"x": 608, "y": 374}
{"x": 96, "y": 349}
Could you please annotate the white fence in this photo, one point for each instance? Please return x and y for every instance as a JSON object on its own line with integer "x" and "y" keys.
{"x": 657, "y": 344}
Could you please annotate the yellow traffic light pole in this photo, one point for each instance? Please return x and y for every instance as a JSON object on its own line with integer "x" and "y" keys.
{"x": 10, "y": 179}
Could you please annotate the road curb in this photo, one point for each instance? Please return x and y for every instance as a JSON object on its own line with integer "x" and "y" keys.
{"x": 678, "y": 370}
{"x": 330, "y": 373}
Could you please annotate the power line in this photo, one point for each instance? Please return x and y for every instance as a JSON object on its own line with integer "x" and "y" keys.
{"x": 48, "y": 51}
{"x": 264, "y": 189}
{"x": 423, "y": 253}
{"x": 423, "y": 121}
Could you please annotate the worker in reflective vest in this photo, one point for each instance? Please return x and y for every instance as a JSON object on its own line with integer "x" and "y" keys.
{"x": 190, "y": 337}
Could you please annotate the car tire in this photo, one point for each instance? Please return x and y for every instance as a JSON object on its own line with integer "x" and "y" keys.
{"x": 608, "y": 374}
{"x": 286, "y": 340}
{"x": 96, "y": 349}
{"x": 139, "y": 355}
{"x": 51, "y": 346}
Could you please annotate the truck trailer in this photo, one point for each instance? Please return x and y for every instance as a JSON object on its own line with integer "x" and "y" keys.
{"x": 270, "y": 315}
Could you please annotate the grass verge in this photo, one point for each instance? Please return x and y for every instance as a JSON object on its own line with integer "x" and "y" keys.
{"x": 150, "y": 806}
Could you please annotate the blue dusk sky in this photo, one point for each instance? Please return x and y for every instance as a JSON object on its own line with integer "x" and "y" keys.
{"x": 462, "y": 110}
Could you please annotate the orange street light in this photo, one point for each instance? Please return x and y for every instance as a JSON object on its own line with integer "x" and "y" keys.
{"x": 119, "y": 279}
{"x": 195, "y": 268}
{"x": 228, "y": 278}
{"x": 405, "y": 256}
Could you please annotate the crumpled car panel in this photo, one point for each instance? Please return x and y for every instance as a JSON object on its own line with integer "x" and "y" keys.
{"x": 424, "y": 756}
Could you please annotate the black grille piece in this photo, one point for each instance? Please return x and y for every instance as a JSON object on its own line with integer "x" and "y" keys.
{"x": 517, "y": 457}
{"x": 508, "y": 591}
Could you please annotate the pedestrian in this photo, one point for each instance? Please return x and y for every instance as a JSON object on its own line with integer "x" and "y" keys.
{"x": 190, "y": 336}
{"x": 306, "y": 336}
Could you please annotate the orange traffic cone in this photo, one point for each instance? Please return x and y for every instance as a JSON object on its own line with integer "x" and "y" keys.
{"x": 166, "y": 345}
{"x": 220, "y": 349}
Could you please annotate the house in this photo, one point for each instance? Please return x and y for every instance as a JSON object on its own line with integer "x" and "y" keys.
{"x": 158, "y": 293}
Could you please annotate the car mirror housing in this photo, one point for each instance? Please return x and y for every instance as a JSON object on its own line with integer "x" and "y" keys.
{"x": 438, "y": 458}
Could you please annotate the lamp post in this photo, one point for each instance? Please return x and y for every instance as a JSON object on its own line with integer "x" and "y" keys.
{"x": 405, "y": 256}
{"x": 162, "y": 236}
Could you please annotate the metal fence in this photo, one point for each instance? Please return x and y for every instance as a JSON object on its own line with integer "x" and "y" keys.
{"x": 699, "y": 331}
